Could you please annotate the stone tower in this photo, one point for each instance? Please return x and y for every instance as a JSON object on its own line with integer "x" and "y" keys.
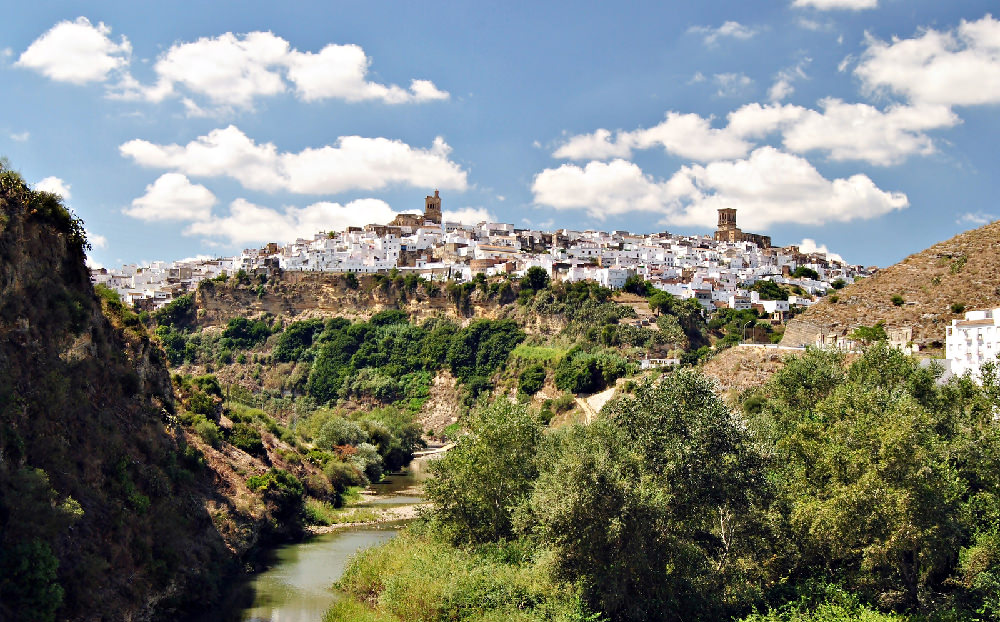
{"x": 729, "y": 232}
{"x": 432, "y": 208}
{"x": 727, "y": 218}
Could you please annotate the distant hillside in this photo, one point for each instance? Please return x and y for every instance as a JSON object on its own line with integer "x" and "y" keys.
{"x": 962, "y": 271}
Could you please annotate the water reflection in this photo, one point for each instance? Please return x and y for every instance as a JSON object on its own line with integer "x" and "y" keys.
{"x": 297, "y": 588}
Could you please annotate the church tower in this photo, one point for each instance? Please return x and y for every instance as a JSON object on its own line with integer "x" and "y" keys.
{"x": 432, "y": 208}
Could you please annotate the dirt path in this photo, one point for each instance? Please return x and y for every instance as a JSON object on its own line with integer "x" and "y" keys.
{"x": 592, "y": 405}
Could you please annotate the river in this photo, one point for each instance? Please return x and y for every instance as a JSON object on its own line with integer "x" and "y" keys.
{"x": 296, "y": 587}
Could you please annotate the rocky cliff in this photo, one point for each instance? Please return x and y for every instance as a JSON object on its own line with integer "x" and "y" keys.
{"x": 303, "y": 295}
{"x": 102, "y": 502}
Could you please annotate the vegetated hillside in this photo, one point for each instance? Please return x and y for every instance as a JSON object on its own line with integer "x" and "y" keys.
{"x": 934, "y": 285}
{"x": 102, "y": 510}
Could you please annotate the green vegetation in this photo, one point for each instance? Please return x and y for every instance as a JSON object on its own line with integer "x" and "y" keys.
{"x": 531, "y": 379}
{"x": 869, "y": 334}
{"x": 957, "y": 307}
{"x": 803, "y": 272}
{"x": 897, "y": 300}
{"x": 769, "y": 290}
{"x": 841, "y": 492}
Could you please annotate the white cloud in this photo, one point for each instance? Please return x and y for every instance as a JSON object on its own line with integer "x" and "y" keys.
{"x": 771, "y": 187}
{"x": 977, "y": 219}
{"x": 596, "y": 146}
{"x": 686, "y": 135}
{"x": 354, "y": 162}
{"x": 862, "y": 132}
{"x": 469, "y": 215}
{"x": 783, "y": 84}
{"x": 781, "y": 89}
{"x": 55, "y": 186}
{"x": 232, "y": 71}
{"x": 696, "y": 78}
{"x": 844, "y": 131}
{"x": 731, "y": 29}
{"x": 959, "y": 67}
{"x": 809, "y": 246}
{"x": 830, "y": 5}
{"x": 76, "y": 52}
{"x": 814, "y": 25}
{"x": 227, "y": 69}
{"x": 173, "y": 197}
{"x": 339, "y": 71}
{"x": 20, "y": 136}
{"x": 97, "y": 241}
{"x": 768, "y": 187}
{"x": 732, "y": 84}
{"x": 248, "y": 223}
{"x": 603, "y": 189}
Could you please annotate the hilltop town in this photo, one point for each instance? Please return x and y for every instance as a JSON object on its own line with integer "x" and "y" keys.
{"x": 718, "y": 270}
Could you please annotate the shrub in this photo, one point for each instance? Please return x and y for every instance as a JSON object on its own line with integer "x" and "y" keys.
{"x": 244, "y": 436}
{"x": 279, "y": 487}
{"x": 29, "y": 585}
{"x": 531, "y": 379}
{"x": 897, "y": 300}
{"x": 208, "y": 431}
{"x": 340, "y": 431}
{"x": 957, "y": 307}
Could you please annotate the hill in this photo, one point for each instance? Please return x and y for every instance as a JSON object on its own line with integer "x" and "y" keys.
{"x": 934, "y": 285}
{"x": 109, "y": 508}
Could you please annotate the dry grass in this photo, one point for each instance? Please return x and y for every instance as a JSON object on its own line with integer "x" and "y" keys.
{"x": 964, "y": 269}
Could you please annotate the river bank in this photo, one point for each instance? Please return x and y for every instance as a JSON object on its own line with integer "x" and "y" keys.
{"x": 297, "y": 583}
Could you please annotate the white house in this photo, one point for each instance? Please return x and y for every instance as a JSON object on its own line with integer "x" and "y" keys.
{"x": 973, "y": 341}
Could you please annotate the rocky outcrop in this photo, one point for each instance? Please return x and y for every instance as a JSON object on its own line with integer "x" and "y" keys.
{"x": 303, "y": 295}
{"x": 102, "y": 503}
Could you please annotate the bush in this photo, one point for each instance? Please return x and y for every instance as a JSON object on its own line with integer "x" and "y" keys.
{"x": 957, "y": 307}
{"x": 279, "y": 487}
{"x": 208, "y": 431}
{"x": 897, "y": 300}
{"x": 29, "y": 583}
{"x": 244, "y": 436}
{"x": 340, "y": 431}
{"x": 531, "y": 380}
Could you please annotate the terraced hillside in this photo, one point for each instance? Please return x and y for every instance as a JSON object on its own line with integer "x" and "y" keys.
{"x": 935, "y": 285}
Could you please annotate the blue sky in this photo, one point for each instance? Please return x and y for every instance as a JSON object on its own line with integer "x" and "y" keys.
{"x": 181, "y": 129}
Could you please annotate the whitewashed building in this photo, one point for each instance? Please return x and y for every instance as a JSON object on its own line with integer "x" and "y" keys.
{"x": 973, "y": 341}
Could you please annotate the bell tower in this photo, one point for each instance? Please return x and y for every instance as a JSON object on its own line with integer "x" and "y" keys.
{"x": 432, "y": 208}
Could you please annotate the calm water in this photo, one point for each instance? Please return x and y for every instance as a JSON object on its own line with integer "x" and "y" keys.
{"x": 297, "y": 585}
{"x": 297, "y": 588}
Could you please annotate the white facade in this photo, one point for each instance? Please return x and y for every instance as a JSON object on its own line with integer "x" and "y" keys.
{"x": 973, "y": 341}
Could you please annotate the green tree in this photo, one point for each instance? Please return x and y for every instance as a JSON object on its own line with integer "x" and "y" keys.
{"x": 655, "y": 508}
{"x": 803, "y": 272}
{"x": 535, "y": 279}
{"x": 479, "y": 484}
{"x": 869, "y": 334}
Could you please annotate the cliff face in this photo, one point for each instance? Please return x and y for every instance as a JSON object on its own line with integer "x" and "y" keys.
{"x": 102, "y": 503}
{"x": 964, "y": 270}
{"x": 303, "y": 295}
